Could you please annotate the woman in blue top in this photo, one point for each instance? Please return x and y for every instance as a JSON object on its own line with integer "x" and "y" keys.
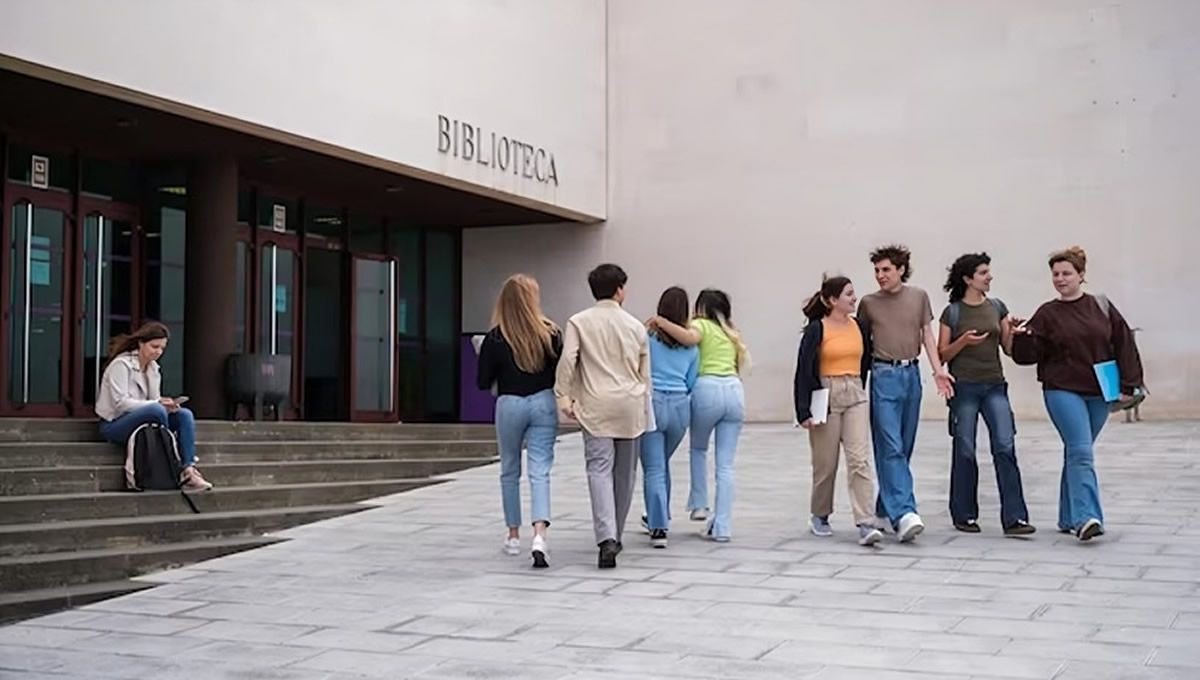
{"x": 673, "y": 369}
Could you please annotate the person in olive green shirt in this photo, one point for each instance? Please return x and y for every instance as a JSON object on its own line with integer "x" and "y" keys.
{"x": 973, "y": 330}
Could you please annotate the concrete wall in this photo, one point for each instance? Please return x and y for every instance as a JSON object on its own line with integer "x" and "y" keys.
{"x": 754, "y": 146}
{"x": 366, "y": 75}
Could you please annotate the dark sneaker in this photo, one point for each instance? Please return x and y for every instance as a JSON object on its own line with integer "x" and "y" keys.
{"x": 1090, "y": 529}
{"x": 658, "y": 538}
{"x": 1020, "y": 528}
{"x": 608, "y": 555}
{"x": 970, "y": 526}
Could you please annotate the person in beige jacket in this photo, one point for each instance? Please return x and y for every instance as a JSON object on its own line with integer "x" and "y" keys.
{"x": 131, "y": 396}
{"x": 603, "y": 380}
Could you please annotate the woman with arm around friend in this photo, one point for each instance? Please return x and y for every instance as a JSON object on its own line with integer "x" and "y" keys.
{"x": 519, "y": 356}
{"x": 1066, "y": 338}
{"x": 973, "y": 329}
{"x": 718, "y": 404}
{"x": 131, "y": 396}
{"x": 835, "y": 355}
{"x": 674, "y": 368}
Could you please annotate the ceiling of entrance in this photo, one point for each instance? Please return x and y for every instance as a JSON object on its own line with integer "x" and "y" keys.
{"x": 43, "y": 112}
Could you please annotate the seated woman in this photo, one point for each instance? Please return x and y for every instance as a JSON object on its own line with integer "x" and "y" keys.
{"x": 131, "y": 395}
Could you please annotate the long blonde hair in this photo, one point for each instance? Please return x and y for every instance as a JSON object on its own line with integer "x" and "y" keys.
{"x": 519, "y": 316}
{"x": 713, "y": 304}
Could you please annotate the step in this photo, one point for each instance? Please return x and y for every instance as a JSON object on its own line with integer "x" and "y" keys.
{"x": 75, "y": 429}
{"x": 93, "y": 478}
{"x": 63, "y": 507}
{"x": 46, "y": 454}
{"x": 132, "y": 532}
{"x": 51, "y": 570}
{"x": 29, "y": 603}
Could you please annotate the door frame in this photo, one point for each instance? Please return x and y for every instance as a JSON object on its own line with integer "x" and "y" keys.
{"x": 120, "y": 211}
{"x": 356, "y": 414}
{"x": 291, "y": 243}
{"x": 63, "y": 202}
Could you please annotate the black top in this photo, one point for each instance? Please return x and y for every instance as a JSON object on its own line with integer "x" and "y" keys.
{"x": 808, "y": 365}
{"x": 496, "y": 365}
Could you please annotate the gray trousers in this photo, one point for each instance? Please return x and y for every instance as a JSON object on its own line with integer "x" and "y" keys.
{"x": 611, "y": 472}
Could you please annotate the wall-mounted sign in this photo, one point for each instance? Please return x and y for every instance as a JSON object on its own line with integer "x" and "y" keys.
{"x": 39, "y": 172}
{"x": 279, "y": 218}
{"x": 506, "y": 154}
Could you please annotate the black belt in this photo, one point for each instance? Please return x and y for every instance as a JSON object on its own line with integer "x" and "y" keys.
{"x": 896, "y": 362}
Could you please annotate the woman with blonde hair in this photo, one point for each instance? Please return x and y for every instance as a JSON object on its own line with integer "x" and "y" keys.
{"x": 519, "y": 356}
{"x": 1067, "y": 339}
{"x": 131, "y": 396}
{"x": 718, "y": 404}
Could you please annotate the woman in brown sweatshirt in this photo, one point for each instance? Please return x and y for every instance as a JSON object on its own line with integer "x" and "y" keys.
{"x": 1066, "y": 338}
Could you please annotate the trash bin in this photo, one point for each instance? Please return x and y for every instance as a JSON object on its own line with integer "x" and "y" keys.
{"x": 258, "y": 381}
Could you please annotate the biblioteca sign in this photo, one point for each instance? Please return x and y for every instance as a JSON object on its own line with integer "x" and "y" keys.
{"x": 507, "y": 154}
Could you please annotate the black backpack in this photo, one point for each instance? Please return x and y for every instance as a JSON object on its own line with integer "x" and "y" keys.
{"x": 152, "y": 461}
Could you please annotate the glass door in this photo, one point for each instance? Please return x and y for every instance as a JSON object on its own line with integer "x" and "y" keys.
{"x": 374, "y": 340}
{"x": 35, "y": 304}
{"x": 277, "y": 304}
{"x": 108, "y": 289}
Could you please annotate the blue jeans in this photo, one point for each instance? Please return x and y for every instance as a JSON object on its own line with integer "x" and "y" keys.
{"x": 672, "y": 412}
{"x": 895, "y": 412}
{"x": 1078, "y": 420}
{"x": 991, "y": 401}
{"x": 718, "y": 404}
{"x": 531, "y": 421}
{"x": 181, "y": 422}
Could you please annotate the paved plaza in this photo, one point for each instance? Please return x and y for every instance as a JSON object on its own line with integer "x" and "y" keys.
{"x": 420, "y": 588}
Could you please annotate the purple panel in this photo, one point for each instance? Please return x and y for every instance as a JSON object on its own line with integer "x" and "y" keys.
{"x": 477, "y": 406}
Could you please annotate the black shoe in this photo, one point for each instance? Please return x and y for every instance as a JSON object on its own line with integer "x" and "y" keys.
{"x": 970, "y": 527}
{"x": 620, "y": 547}
{"x": 1020, "y": 528}
{"x": 608, "y": 555}
{"x": 658, "y": 538}
{"x": 1090, "y": 529}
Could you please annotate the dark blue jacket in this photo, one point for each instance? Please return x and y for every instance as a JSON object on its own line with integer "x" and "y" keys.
{"x": 808, "y": 365}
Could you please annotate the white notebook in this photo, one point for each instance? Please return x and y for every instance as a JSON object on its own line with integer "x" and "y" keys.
{"x": 819, "y": 406}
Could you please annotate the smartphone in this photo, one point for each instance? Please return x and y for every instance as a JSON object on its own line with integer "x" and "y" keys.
{"x": 180, "y": 401}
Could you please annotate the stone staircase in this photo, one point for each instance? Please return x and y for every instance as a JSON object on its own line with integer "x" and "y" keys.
{"x": 70, "y": 533}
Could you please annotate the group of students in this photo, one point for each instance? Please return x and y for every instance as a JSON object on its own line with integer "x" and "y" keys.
{"x": 635, "y": 388}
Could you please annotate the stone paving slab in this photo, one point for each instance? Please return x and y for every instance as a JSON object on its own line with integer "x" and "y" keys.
{"x": 419, "y": 588}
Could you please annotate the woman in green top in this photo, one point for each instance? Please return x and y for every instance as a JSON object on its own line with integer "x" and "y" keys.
{"x": 718, "y": 404}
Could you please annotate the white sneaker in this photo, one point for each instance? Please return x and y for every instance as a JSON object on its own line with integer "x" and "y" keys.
{"x": 539, "y": 552}
{"x": 910, "y": 527}
{"x": 699, "y": 514}
{"x": 512, "y": 546}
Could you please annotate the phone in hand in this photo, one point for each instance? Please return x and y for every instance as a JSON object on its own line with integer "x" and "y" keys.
{"x": 180, "y": 401}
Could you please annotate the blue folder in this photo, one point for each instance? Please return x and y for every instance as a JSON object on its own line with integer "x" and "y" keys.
{"x": 1109, "y": 377}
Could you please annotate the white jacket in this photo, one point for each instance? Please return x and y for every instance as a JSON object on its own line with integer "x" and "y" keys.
{"x": 125, "y": 387}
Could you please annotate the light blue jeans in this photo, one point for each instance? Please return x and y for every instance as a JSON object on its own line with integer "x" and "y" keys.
{"x": 533, "y": 422}
{"x": 895, "y": 412}
{"x": 671, "y": 415}
{"x": 718, "y": 405}
{"x": 181, "y": 422}
{"x": 1078, "y": 420}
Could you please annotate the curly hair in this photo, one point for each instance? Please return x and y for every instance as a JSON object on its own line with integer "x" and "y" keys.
{"x": 898, "y": 255}
{"x": 963, "y": 268}
{"x": 1076, "y": 256}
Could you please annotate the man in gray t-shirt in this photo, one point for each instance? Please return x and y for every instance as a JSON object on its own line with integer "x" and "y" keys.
{"x": 898, "y": 316}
